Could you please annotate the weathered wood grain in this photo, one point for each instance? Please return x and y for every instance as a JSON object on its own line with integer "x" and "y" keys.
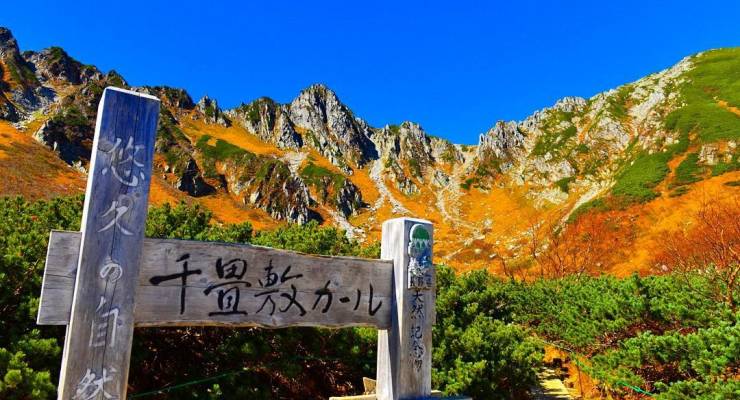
{"x": 160, "y": 305}
{"x": 404, "y": 366}
{"x": 97, "y": 347}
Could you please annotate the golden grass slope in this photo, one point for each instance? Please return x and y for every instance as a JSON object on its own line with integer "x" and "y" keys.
{"x": 31, "y": 170}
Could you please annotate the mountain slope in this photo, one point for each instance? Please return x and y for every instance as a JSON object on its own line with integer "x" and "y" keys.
{"x": 647, "y": 151}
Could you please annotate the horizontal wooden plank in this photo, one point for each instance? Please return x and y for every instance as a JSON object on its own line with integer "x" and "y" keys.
{"x": 232, "y": 285}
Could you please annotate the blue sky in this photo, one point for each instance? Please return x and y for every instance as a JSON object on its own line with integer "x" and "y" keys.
{"x": 454, "y": 67}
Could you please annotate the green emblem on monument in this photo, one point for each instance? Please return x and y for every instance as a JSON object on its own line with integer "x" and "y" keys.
{"x": 420, "y": 262}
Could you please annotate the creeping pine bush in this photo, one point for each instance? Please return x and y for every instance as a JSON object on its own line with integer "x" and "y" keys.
{"x": 663, "y": 333}
{"x": 695, "y": 360}
{"x": 477, "y": 350}
{"x": 666, "y": 334}
{"x": 29, "y": 356}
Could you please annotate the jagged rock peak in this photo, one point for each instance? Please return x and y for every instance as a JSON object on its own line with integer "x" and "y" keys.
{"x": 332, "y": 127}
{"x": 24, "y": 93}
{"x": 54, "y": 64}
{"x": 21, "y": 71}
{"x": 7, "y": 42}
{"x": 506, "y": 140}
{"x": 410, "y": 141}
{"x": 408, "y": 144}
{"x": 320, "y": 91}
{"x": 268, "y": 120}
{"x": 500, "y": 141}
{"x": 406, "y": 141}
{"x": 570, "y": 104}
{"x": 211, "y": 111}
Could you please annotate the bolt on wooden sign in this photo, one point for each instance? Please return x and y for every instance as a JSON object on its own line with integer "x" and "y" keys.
{"x": 107, "y": 279}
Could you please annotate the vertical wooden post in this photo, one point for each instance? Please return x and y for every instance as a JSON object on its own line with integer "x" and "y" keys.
{"x": 404, "y": 368}
{"x": 97, "y": 347}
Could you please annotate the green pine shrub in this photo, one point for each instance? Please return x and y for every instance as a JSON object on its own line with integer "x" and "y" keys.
{"x": 666, "y": 334}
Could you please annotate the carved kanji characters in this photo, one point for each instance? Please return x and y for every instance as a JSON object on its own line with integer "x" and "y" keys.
{"x": 116, "y": 212}
{"x": 124, "y": 165}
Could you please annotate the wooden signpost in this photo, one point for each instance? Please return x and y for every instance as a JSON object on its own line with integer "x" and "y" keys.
{"x": 107, "y": 279}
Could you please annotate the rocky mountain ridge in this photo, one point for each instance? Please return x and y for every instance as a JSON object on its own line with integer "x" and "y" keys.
{"x": 315, "y": 119}
{"x": 313, "y": 158}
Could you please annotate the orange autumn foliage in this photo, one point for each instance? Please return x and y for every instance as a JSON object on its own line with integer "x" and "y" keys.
{"x": 709, "y": 245}
{"x": 590, "y": 245}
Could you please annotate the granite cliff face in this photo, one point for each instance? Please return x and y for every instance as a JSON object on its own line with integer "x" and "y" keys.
{"x": 332, "y": 128}
{"x": 211, "y": 112}
{"x": 270, "y": 121}
{"x": 411, "y": 157}
{"x": 23, "y": 93}
{"x": 314, "y": 158}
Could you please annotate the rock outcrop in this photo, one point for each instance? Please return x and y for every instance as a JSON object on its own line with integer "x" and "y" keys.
{"x": 23, "y": 90}
{"x": 338, "y": 192}
{"x": 268, "y": 120}
{"x": 71, "y": 142}
{"x": 408, "y": 145}
{"x": 7, "y": 110}
{"x": 348, "y": 199}
{"x": 211, "y": 112}
{"x": 268, "y": 184}
{"x": 55, "y": 65}
{"x": 317, "y": 119}
{"x": 191, "y": 181}
{"x": 330, "y": 127}
{"x": 504, "y": 142}
{"x": 71, "y": 128}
